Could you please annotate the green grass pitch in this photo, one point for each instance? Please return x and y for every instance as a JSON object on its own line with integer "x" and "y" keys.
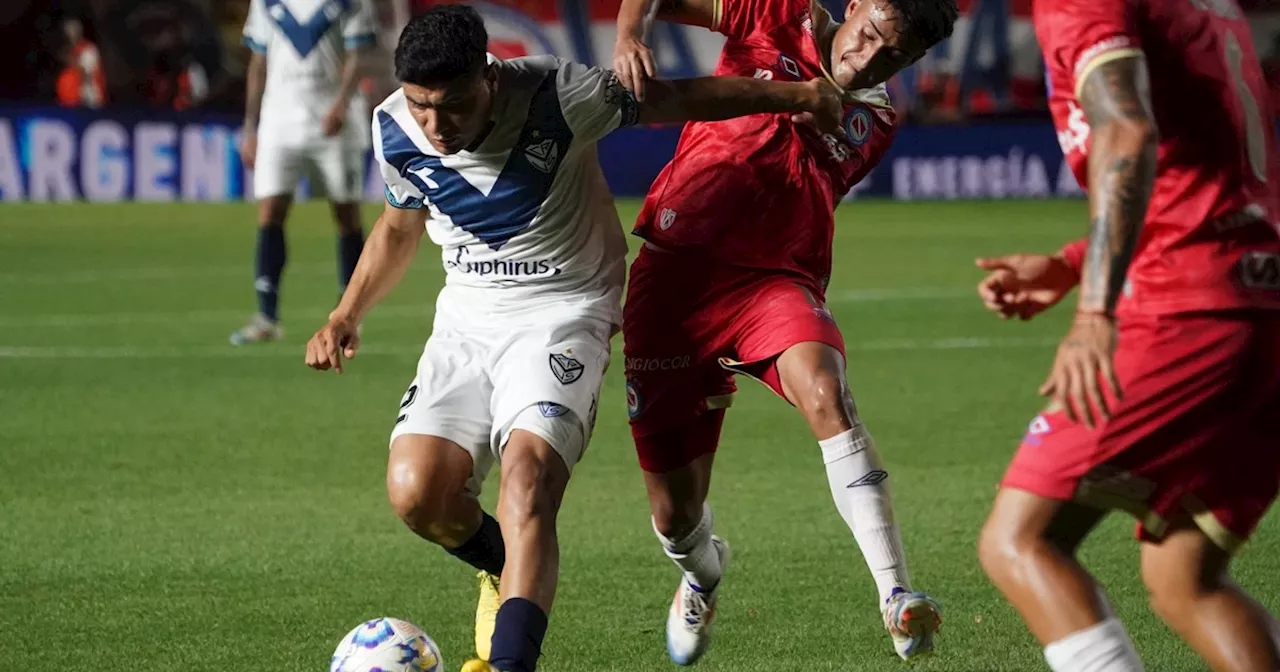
{"x": 168, "y": 502}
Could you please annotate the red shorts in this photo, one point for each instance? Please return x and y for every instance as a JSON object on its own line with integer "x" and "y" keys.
{"x": 688, "y": 325}
{"x": 1198, "y": 429}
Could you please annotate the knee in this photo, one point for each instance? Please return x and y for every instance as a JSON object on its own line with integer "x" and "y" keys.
{"x": 1173, "y": 593}
{"x": 675, "y": 520}
{"x": 426, "y": 500}
{"x": 824, "y": 398}
{"x": 1001, "y": 550}
{"x": 533, "y": 481}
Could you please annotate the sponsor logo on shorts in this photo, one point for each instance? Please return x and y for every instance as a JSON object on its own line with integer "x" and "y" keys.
{"x": 872, "y": 478}
{"x": 550, "y": 409}
{"x": 658, "y": 363}
{"x": 566, "y": 369}
{"x": 633, "y": 400}
{"x": 1260, "y": 270}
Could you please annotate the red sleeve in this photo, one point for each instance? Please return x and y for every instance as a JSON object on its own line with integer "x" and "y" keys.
{"x": 738, "y": 19}
{"x": 1079, "y": 35}
{"x": 874, "y": 147}
{"x": 1073, "y": 254}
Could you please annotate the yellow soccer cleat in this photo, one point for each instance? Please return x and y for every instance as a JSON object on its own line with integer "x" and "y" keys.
{"x": 486, "y": 617}
{"x": 477, "y": 666}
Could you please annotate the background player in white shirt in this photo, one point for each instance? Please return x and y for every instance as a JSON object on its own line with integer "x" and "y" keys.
{"x": 496, "y": 160}
{"x": 302, "y": 114}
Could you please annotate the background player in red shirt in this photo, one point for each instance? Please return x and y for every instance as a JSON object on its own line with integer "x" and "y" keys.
{"x": 732, "y": 278}
{"x": 1161, "y": 111}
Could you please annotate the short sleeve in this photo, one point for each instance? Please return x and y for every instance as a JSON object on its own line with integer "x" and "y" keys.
{"x": 738, "y": 19}
{"x": 1079, "y": 35}
{"x": 393, "y": 149}
{"x": 257, "y": 27}
{"x": 358, "y": 26}
{"x": 594, "y": 101}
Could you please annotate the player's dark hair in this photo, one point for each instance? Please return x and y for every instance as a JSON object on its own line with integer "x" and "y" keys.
{"x": 440, "y": 45}
{"x": 930, "y": 21}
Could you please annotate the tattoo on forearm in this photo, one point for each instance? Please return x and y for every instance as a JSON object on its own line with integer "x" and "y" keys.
{"x": 1122, "y": 165}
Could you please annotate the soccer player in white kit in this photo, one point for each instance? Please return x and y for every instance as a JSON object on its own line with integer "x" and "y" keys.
{"x": 496, "y": 160}
{"x": 303, "y": 115}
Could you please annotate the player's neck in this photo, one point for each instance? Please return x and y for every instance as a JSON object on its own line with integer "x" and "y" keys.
{"x": 824, "y": 33}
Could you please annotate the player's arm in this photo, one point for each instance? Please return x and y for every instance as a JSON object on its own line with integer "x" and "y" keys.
{"x": 632, "y": 58}
{"x": 719, "y": 98}
{"x": 1116, "y": 97}
{"x": 386, "y": 256}
{"x": 353, "y": 67}
{"x": 255, "y": 84}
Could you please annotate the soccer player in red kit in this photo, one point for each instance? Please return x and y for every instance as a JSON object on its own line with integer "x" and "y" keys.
{"x": 1166, "y": 390}
{"x": 732, "y": 278}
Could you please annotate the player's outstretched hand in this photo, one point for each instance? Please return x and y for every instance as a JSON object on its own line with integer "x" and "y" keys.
{"x": 826, "y": 108}
{"x": 338, "y": 339}
{"x": 249, "y": 148}
{"x": 1024, "y": 285}
{"x": 333, "y": 121}
{"x": 633, "y": 61}
{"x": 1084, "y": 370}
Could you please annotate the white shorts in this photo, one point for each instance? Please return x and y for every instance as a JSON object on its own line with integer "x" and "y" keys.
{"x": 335, "y": 165}
{"x": 478, "y": 382}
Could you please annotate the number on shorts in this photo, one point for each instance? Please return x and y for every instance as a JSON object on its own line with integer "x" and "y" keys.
{"x": 1255, "y": 132}
{"x": 409, "y": 395}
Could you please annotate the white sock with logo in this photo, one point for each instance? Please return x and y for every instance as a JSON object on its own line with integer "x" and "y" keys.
{"x": 859, "y": 485}
{"x": 1104, "y": 647}
{"x": 694, "y": 553}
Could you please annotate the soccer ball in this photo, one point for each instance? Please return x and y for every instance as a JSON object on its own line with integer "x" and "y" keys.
{"x": 387, "y": 645}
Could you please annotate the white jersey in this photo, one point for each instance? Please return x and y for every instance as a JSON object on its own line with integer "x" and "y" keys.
{"x": 527, "y": 212}
{"x": 305, "y": 42}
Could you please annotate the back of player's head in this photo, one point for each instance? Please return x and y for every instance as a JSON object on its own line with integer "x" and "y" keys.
{"x": 443, "y": 44}
{"x": 929, "y": 21}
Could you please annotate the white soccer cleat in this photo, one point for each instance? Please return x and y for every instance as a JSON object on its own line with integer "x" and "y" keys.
{"x": 912, "y": 620}
{"x": 259, "y": 330}
{"x": 693, "y": 611}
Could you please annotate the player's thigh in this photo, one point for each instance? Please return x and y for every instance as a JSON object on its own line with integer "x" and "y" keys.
{"x": 675, "y": 326}
{"x": 1184, "y": 561}
{"x": 449, "y": 399}
{"x": 547, "y": 382}
{"x": 278, "y": 168}
{"x": 340, "y": 166}
{"x": 787, "y": 339}
{"x": 1019, "y": 519}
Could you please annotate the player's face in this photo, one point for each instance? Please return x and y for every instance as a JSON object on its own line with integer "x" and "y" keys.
{"x": 453, "y": 115}
{"x": 870, "y": 47}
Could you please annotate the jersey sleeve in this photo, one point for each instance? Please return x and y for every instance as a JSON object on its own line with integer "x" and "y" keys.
{"x": 358, "y": 26}
{"x": 389, "y": 148}
{"x": 739, "y": 19}
{"x": 1079, "y": 35}
{"x": 257, "y": 27}
{"x": 594, "y": 101}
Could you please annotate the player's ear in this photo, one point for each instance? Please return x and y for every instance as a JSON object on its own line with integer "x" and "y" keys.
{"x": 849, "y": 8}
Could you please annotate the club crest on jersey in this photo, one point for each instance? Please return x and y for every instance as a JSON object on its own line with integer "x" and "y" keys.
{"x": 543, "y": 155}
{"x": 565, "y": 368}
{"x": 858, "y": 125}
{"x": 666, "y": 219}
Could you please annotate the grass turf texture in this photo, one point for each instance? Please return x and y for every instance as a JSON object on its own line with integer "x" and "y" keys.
{"x": 169, "y": 502}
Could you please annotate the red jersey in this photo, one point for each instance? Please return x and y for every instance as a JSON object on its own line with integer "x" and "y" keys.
{"x": 760, "y": 191}
{"x": 1209, "y": 241}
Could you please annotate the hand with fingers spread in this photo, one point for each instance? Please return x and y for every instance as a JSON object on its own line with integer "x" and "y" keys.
{"x": 1024, "y": 285}
{"x": 826, "y": 108}
{"x": 633, "y": 61}
{"x": 1084, "y": 370}
{"x": 334, "y": 341}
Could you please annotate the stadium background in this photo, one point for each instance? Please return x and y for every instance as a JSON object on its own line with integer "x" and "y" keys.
{"x": 989, "y": 77}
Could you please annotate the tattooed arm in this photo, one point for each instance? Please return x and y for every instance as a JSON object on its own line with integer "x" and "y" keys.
{"x": 1122, "y": 164}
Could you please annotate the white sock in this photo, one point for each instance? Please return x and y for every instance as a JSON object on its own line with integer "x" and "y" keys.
{"x": 694, "y": 554}
{"x": 858, "y": 485}
{"x": 1105, "y": 647}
